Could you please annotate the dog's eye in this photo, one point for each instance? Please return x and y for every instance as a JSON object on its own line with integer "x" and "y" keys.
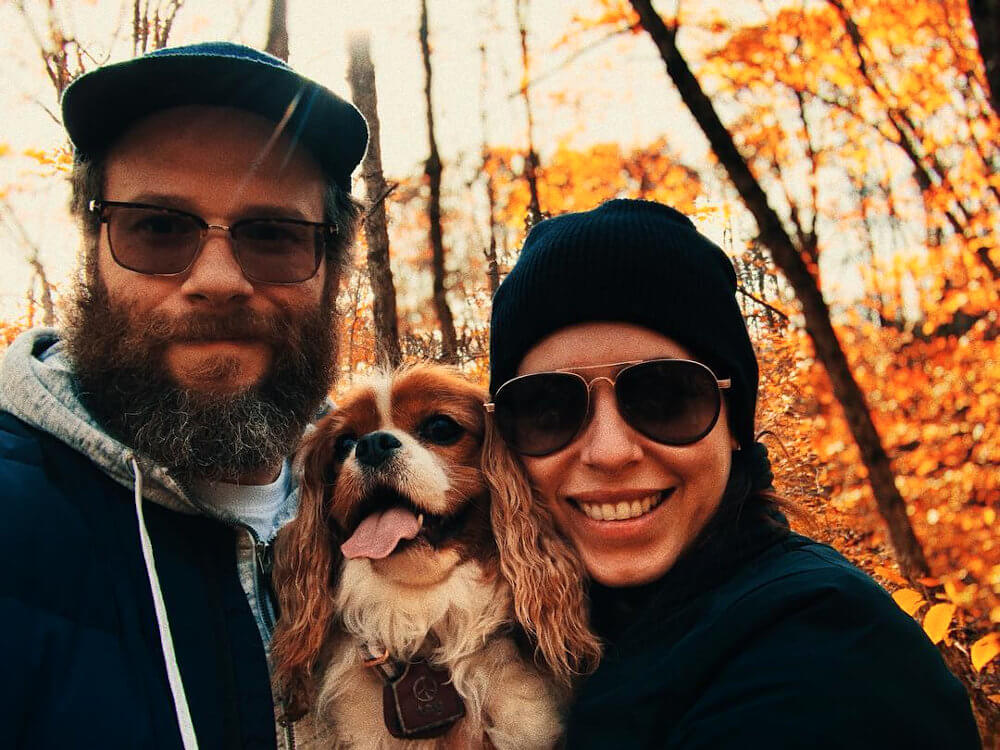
{"x": 345, "y": 443}
{"x": 441, "y": 430}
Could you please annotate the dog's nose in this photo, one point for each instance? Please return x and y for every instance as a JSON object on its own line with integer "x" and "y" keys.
{"x": 376, "y": 447}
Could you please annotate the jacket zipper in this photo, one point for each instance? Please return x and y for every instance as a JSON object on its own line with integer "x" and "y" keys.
{"x": 264, "y": 555}
{"x": 263, "y": 564}
{"x": 264, "y": 558}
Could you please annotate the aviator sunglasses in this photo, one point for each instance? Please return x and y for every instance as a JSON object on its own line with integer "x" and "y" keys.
{"x": 165, "y": 242}
{"x": 670, "y": 401}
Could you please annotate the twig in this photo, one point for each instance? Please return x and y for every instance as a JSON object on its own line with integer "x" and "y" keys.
{"x": 385, "y": 194}
{"x": 762, "y": 303}
{"x": 577, "y": 55}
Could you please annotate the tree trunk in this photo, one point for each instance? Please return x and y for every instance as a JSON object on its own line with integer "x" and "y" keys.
{"x": 432, "y": 170}
{"x": 531, "y": 158}
{"x": 492, "y": 264}
{"x": 277, "y": 30}
{"x": 986, "y": 20}
{"x": 817, "y": 315}
{"x": 361, "y": 77}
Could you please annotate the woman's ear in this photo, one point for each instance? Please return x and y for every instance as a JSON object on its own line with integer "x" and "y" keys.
{"x": 306, "y": 560}
{"x": 545, "y": 574}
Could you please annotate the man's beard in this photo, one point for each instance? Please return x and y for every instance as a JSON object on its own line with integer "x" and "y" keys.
{"x": 123, "y": 380}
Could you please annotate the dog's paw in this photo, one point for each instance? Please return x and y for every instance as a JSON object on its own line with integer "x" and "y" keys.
{"x": 525, "y": 719}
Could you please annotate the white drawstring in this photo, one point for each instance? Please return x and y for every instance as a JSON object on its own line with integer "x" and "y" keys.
{"x": 184, "y": 722}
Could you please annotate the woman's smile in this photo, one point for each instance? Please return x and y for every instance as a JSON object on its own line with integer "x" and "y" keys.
{"x": 631, "y": 506}
{"x": 619, "y": 506}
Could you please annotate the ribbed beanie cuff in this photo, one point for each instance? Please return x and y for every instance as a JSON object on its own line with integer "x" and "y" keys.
{"x": 636, "y": 262}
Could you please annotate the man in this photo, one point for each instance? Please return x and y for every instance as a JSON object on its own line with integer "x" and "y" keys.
{"x": 143, "y": 450}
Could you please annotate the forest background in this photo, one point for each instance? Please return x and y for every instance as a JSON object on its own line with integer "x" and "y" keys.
{"x": 844, "y": 153}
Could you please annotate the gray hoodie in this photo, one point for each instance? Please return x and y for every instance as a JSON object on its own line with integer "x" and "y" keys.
{"x": 36, "y": 386}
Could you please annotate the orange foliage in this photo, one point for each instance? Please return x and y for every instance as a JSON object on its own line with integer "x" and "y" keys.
{"x": 579, "y": 180}
{"x": 868, "y": 123}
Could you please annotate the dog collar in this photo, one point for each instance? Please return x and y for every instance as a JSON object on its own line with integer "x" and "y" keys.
{"x": 419, "y": 700}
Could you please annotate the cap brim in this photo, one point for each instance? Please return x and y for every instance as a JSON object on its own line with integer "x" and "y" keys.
{"x": 101, "y": 105}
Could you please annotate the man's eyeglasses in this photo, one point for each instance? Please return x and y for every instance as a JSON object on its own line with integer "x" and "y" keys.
{"x": 671, "y": 401}
{"x": 165, "y": 241}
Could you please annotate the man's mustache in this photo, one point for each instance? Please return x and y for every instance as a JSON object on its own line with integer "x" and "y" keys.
{"x": 239, "y": 324}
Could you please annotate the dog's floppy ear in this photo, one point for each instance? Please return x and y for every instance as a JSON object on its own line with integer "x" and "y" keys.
{"x": 544, "y": 572}
{"x": 307, "y": 557}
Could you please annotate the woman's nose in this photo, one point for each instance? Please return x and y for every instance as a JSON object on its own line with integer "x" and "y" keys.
{"x": 609, "y": 444}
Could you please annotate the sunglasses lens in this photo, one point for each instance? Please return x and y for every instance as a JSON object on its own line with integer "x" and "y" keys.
{"x": 278, "y": 251}
{"x": 152, "y": 241}
{"x": 674, "y": 402}
{"x": 539, "y": 414}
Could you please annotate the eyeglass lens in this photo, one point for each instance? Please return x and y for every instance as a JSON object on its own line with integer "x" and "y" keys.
{"x": 156, "y": 241}
{"x": 673, "y": 402}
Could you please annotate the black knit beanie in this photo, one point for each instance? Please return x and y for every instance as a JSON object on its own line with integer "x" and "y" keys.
{"x": 636, "y": 262}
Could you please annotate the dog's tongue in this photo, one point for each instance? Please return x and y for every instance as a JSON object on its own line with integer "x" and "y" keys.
{"x": 377, "y": 536}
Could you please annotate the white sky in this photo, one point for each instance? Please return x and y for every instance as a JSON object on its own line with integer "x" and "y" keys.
{"x": 617, "y": 92}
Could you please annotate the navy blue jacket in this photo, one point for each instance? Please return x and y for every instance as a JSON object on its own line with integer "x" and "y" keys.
{"x": 82, "y": 663}
{"x": 765, "y": 639}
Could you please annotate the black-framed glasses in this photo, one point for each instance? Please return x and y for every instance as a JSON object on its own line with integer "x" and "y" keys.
{"x": 165, "y": 242}
{"x": 671, "y": 401}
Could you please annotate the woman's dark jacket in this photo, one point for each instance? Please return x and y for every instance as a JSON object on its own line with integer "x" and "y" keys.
{"x": 760, "y": 638}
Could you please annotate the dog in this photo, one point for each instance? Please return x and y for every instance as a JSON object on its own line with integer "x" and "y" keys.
{"x": 403, "y": 623}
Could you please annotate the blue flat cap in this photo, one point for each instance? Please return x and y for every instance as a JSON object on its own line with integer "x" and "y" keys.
{"x": 99, "y": 106}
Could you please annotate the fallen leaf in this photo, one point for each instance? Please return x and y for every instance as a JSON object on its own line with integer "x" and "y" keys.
{"x": 984, "y": 650}
{"x": 938, "y": 620}
{"x": 908, "y": 600}
{"x": 891, "y": 575}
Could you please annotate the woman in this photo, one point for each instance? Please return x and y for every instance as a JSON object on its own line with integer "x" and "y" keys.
{"x": 624, "y": 382}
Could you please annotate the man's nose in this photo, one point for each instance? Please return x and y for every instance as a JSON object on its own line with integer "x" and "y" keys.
{"x": 609, "y": 444}
{"x": 216, "y": 276}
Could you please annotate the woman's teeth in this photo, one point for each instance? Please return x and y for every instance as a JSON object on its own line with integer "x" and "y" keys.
{"x": 622, "y": 511}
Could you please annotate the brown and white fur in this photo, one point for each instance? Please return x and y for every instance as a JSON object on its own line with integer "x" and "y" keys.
{"x": 441, "y": 595}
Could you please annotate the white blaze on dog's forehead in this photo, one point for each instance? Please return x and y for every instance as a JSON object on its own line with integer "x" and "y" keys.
{"x": 380, "y": 385}
{"x": 382, "y": 389}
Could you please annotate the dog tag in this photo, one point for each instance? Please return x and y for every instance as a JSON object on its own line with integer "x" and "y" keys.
{"x": 421, "y": 703}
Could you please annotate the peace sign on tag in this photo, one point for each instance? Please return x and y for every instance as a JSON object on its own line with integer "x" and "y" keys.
{"x": 421, "y": 703}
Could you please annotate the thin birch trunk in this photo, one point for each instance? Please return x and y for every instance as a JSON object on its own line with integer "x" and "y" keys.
{"x": 432, "y": 170}
{"x": 361, "y": 77}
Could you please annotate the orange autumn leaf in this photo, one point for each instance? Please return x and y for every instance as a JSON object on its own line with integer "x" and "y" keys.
{"x": 908, "y": 600}
{"x": 984, "y": 650}
{"x": 938, "y": 620}
{"x": 891, "y": 575}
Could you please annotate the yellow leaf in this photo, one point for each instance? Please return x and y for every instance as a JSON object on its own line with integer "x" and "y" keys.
{"x": 937, "y": 621}
{"x": 984, "y": 650}
{"x": 908, "y": 600}
{"x": 890, "y": 575}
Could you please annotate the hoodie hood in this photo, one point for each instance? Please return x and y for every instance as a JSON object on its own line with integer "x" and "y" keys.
{"x": 37, "y": 387}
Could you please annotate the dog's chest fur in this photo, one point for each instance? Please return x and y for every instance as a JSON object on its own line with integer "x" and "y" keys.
{"x": 461, "y": 624}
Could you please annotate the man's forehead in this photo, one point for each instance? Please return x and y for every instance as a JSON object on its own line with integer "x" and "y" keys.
{"x": 199, "y": 157}
{"x": 222, "y": 127}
